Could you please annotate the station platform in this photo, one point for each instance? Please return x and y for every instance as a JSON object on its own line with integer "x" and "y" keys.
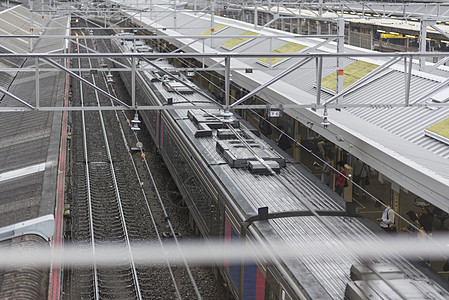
{"x": 29, "y": 151}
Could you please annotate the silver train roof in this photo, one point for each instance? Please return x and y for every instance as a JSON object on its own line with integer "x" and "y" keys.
{"x": 391, "y": 140}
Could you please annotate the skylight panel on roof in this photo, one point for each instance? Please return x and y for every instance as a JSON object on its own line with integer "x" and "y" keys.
{"x": 439, "y": 131}
{"x": 441, "y": 96}
{"x": 351, "y": 74}
{"x": 237, "y": 42}
{"x": 287, "y": 48}
{"x": 215, "y": 30}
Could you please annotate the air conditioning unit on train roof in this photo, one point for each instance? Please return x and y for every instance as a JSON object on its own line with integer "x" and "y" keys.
{"x": 367, "y": 272}
{"x": 175, "y": 86}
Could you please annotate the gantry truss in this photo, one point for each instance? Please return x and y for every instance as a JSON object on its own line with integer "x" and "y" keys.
{"x": 45, "y": 62}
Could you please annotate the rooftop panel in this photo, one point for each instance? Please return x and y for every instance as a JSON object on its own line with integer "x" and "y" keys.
{"x": 217, "y": 28}
{"x": 287, "y": 48}
{"x": 237, "y": 42}
{"x": 439, "y": 131}
{"x": 352, "y": 73}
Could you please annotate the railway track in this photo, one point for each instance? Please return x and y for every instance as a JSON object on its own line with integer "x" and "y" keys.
{"x": 115, "y": 201}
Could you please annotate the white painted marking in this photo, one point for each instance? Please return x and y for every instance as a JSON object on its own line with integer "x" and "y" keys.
{"x": 22, "y": 172}
{"x": 361, "y": 205}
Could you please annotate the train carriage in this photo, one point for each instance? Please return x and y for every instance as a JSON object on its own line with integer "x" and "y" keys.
{"x": 228, "y": 193}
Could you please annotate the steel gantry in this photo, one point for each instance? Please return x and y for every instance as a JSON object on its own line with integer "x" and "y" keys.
{"x": 50, "y": 60}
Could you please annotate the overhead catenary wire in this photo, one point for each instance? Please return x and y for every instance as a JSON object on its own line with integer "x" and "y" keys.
{"x": 116, "y": 189}
{"x": 146, "y": 199}
{"x": 167, "y": 218}
{"x": 181, "y": 58}
{"x": 316, "y": 156}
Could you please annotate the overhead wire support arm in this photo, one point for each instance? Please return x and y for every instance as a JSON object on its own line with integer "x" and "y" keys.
{"x": 287, "y": 71}
{"x": 55, "y": 64}
{"x": 363, "y": 79}
{"x": 270, "y": 82}
{"x": 115, "y": 61}
{"x": 17, "y": 98}
{"x": 183, "y": 83}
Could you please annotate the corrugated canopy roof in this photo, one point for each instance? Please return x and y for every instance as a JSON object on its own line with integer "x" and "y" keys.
{"x": 390, "y": 140}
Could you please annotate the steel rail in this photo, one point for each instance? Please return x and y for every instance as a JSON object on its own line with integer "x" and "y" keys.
{"x": 163, "y": 208}
{"x": 89, "y": 195}
{"x": 153, "y": 221}
{"x": 288, "y": 185}
{"x": 117, "y": 193}
{"x": 192, "y": 280}
{"x": 171, "y": 229}
{"x": 167, "y": 216}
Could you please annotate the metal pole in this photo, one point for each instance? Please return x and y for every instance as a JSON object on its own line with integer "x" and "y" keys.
{"x": 320, "y": 8}
{"x": 151, "y": 9}
{"x": 340, "y": 49}
{"x": 422, "y": 43}
{"x": 204, "y": 50}
{"x": 408, "y": 78}
{"x": 176, "y": 13}
{"x": 227, "y": 81}
{"x": 255, "y": 15}
{"x": 319, "y": 71}
{"x": 271, "y": 50}
{"x": 133, "y": 83}
{"x": 212, "y": 22}
{"x": 37, "y": 81}
{"x": 31, "y": 24}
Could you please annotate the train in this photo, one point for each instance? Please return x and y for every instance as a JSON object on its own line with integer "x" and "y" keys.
{"x": 235, "y": 198}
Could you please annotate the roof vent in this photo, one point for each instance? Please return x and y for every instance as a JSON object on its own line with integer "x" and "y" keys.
{"x": 237, "y": 155}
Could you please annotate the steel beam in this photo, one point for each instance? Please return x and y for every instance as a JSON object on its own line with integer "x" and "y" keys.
{"x": 363, "y": 80}
{"x": 423, "y": 43}
{"x": 319, "y": 73}
{"x": 183, "y": 83}
{"x": 95, "y": 51}
{"x": 275, "y": 79}
{"x": 17, "y": 98}
{"x": 222, "y": 55}
{"x": 37, "y": 82}
{"x": 408, "y": 78}
{"x": 133, "y": 82}
{"x": 55, "y": 64}
{"x": 313, "y": 106}
{"x": 340, "y": 49}
{"x": 227, "y": 82}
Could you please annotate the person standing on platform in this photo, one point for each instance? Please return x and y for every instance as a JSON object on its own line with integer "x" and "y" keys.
{"x": 414, "y": 228}
{"x": 284, "y": 141}
{"x": 265, "y": 127}
{"x": 426, "y": 219}
{"x": 326, "y": 170}
{"x": 340, "y": 180}
{"x": 360, "y": 173}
